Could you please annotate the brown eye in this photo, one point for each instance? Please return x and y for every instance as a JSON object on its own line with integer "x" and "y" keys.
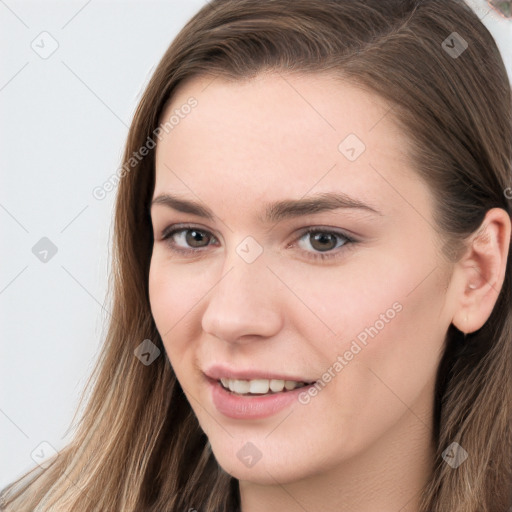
{"x": 187, "y": 239}
{"x": 195, "y": 238}
{"x": 323, "y": 241}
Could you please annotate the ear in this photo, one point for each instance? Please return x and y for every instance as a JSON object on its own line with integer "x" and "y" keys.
{"x": 481, "y": 271}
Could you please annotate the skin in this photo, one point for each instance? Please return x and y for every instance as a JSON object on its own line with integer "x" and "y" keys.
{"x": 363, "y": 443}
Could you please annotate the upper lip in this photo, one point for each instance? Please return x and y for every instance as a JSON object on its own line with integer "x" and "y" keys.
{"x": 218, "y": 371}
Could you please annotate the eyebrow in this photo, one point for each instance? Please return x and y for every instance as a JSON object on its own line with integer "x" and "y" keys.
{"x": 277, "y": 211}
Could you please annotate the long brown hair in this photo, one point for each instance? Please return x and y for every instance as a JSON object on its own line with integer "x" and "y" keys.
{"x": 138, "y": 445}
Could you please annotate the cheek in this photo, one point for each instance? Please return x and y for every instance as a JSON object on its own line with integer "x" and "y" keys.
{"x": 176, "y": 295}
{"x": 166, "y": 306}
{"x": 162, "y": 296}
{"x": 388, "y": 335}
{"x": 388, "y": 302}
{"x": 345, "y": 302}
{"x": 388, "y": 338}
{"x": 174, "y": 292}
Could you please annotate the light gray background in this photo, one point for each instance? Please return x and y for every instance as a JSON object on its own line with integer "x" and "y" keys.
{"x": 64, "y": 119}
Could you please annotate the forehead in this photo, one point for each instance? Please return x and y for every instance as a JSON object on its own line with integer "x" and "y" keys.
{"x": 278, "y": 136}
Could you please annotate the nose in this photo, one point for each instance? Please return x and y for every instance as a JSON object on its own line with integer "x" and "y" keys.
{"x": 244, "y": 303}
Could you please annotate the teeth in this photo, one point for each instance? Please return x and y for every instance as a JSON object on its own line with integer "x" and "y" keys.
{"x": 260, "y": 386}
{"x": 290, "y": 384}
{"x": 257, "y": 386}
{"x": 277, "y": 385}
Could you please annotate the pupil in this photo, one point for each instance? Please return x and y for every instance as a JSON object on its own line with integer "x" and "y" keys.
{"x": 193, "y": 237}
{"x": 323, "y": 237}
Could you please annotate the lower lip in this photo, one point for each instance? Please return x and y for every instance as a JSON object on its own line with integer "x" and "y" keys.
{"x": 251, "y": 407}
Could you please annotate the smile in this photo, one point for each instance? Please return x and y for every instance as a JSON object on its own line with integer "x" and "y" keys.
{"x": 260, "y": 386}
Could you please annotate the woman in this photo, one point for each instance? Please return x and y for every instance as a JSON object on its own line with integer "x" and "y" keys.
{"x": 314, "y": 206}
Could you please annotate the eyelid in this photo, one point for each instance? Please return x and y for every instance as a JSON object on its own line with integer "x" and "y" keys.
{"x": 327, "y": 229}
{"x": 333, "y": 254}
{"x": 313, "y": 228}
{"x": 166, "y": 232}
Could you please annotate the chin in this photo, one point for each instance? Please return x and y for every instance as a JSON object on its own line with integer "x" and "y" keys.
{"x": 266, "y": 471}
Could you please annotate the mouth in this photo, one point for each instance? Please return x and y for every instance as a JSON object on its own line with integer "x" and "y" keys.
{"x": 260, "y": 387}
{"x": 256, "y": 398}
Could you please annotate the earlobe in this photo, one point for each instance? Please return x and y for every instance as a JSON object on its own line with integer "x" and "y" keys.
{"x": 482, "y": 271}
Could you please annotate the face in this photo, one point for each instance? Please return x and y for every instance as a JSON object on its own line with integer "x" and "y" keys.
{"x": 358, "y": 305}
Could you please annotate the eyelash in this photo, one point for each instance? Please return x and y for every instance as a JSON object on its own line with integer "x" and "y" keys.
{"x": 168, "y": 233}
